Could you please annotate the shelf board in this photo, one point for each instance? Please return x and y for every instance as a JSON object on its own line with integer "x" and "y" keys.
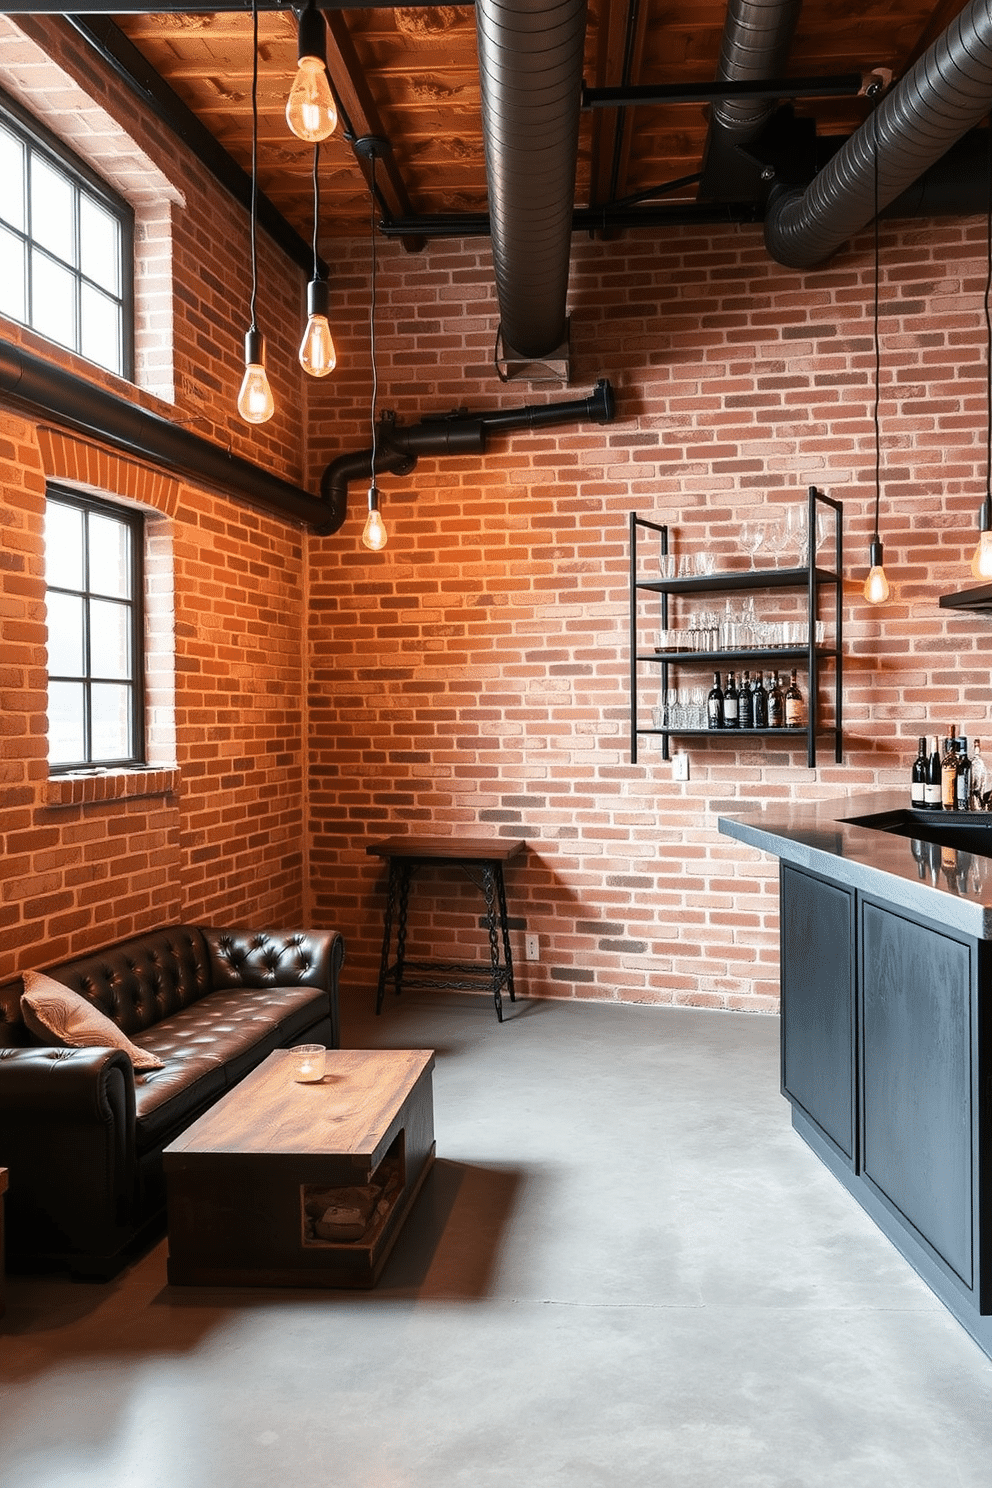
{"x": 751, "y": 578}
{"x": 979, "y": 599}
{"x": 703, "y": 658}
{"x": 738, "y": 733}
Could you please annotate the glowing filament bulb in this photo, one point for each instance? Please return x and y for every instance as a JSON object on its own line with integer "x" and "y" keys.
{"x": 374, "y": 535}
{"x": 876, "y": 584}
{"x": 317, "y": 354}
{"x": 310, "y": 111}
{"x": 255, "y": 401}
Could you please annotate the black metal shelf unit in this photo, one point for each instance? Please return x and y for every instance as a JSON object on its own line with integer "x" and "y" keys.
{"x": 817, "y": 658}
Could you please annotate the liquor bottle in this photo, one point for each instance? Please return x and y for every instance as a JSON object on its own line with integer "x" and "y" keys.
{"x": 918, "y": 775}
{"x": 731, "y": 709}
{"x": 931, "y": 791}
{"x": 759, "y": 702}
{"x": 795, "y": 712}
{"x": 979, "y": 777}
{"x": 776, "y": 704}
{"x": 714, "y": 704}
{"x": 745, "y": 703}
{"x": 948, "y": 773}
{"x": 962, "y": 779}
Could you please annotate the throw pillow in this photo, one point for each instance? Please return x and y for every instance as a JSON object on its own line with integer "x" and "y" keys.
{"x": 58, "y": 1015}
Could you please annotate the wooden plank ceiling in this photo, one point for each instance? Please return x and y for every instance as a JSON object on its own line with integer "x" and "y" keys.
{"x": 411, "y": 76}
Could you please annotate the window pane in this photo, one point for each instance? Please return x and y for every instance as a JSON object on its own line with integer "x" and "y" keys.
{"x": 100, "y": 339}
{"x": 11, "y": 179}
{"x": 52, "y": 209}
{"x": 99, "y": 245}
{"x": 110, "y": 556}
{"x": 111, "y": 721}
{"x": 13, "y": 296}
{"x": 108, "y": 639}
{"x": 53, "y": 300}
{"x": 63, "y": 546}
{"x": 65, "y": 635}
{"x": 65, "y": 723}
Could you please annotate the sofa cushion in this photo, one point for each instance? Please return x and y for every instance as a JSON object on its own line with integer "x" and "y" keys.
{"x": 209, "y": 1047}
{"x": 56, "y": 1014}
{"x": 140, "y": 981}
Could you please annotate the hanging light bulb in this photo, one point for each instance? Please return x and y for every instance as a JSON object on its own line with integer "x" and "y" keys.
{"x": 374, "y": 535}
{"x": 876, "y": 584}
{"x": 317, "y": 354}
{"x": 255, "y": 402}
{"x": 310, "y": 110}
{"x": 981, "y": 563}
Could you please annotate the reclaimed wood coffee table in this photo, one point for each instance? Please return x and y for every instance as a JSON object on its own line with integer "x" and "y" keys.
{"x": 252, "y": 1183}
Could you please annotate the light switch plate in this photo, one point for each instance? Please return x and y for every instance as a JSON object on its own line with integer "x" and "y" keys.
{"x": 680, "y": 765}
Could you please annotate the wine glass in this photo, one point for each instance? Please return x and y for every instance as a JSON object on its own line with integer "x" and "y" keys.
{"x": 752, "y": 537}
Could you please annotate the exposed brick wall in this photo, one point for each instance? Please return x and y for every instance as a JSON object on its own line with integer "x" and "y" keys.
{"x": 473, "y": 676}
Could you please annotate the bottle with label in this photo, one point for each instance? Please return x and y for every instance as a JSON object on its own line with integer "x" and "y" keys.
{"x": 714, "y": 704}
{"x": 979, "y": 778}
{"x": 948, "y": 773}
{"x": 759, "y": 702}
{"x": 745, "y": 703}
{"x": 731, "y": 703}
{"x": 776, "y": 704}
{"x": 962, "y": 779}
{"x": 795, "y": 711}
{"x": 918, "y": 775}
{"x": 931, "y": 791}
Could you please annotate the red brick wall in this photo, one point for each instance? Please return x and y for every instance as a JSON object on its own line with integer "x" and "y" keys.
{"x": 473, "y": 676}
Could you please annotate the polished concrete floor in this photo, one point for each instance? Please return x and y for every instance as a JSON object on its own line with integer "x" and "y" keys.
{"x": 625, "y": 1269}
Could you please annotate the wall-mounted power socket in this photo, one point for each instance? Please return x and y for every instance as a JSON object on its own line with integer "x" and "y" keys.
{"x": 532, "y": 947}
{"x": 680, "y": 765}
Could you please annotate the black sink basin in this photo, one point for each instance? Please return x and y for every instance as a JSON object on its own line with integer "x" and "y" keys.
{"x": 965, "y": 831}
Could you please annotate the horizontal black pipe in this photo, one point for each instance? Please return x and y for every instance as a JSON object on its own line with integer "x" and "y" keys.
{"x": 837, "y": 85}
{"x": 584, "y": 219}
{"x": 398, "y": 449}
{"x": 78, "y": 404}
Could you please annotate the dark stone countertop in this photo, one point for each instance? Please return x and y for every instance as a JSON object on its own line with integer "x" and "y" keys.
{"x": 940, "y": 881}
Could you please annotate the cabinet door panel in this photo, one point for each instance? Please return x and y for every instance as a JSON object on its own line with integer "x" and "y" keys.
{"x": 818, "y": 1003}
{"x": 916, "y": 1053}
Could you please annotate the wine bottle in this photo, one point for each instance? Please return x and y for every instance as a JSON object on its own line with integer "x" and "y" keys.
{"x": 962, "y": 779}
{"x": 918, "y": 775}
{"x": 776, "y": 704}
{"x": 948, "y": 773}
{"x": 714, "y": 704}
{"x": 731, "y": 699}
{"x": 979, "y": 777}
{"x": 931, "y": 792}
{"x": 795, "y": 713}
{"x": 759, "y": 702}
{"x": 745, "y": 703}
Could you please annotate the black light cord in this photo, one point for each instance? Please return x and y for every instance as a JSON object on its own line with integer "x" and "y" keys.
{"x": 254, "y": 155}
{"x": 316, "y": 207}
{"x": 375, "y": 377}
{"x": 988, "y": 340}
{"x": 878, "y": 360}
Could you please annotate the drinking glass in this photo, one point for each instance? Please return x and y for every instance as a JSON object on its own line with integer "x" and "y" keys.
{"x": 752, "y": 537}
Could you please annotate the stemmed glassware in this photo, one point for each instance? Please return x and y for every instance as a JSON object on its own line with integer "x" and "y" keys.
{"x": 752, "y": 537}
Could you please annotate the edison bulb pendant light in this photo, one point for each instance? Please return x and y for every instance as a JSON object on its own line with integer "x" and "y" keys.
{"x": 317, "y": 354}
{"x": 876, "y": 584}
{"x": 255, "y": 402}
{"x": 374, "y": 536}
{"x": 310, "y": 111}
{"x": 981, "y": 563}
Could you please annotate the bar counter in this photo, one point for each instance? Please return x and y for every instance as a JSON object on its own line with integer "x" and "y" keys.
{"x": 886, "y": 1021}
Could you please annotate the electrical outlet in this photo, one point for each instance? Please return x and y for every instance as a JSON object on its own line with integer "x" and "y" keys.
{"x": 532, "y": 947}
{"x": 680, "y": 765}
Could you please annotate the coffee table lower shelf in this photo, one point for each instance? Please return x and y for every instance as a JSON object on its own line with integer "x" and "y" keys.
{"x": 240, "y": 1178}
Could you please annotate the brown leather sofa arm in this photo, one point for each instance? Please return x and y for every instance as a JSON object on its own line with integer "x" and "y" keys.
{"x": 67, "y": 1137}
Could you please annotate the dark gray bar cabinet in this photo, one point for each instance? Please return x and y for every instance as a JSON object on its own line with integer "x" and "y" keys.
{"x": 886, "y": 1045}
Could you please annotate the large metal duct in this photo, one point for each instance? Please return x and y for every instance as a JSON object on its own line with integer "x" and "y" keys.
{"x": 757, "y": 38}
{"x": 945, "y": 94}
{"x": 530, "y": 66}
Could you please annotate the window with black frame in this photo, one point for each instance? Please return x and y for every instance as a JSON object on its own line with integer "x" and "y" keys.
{"x": 66, "y": 246}
{"x": 94, "y": 585}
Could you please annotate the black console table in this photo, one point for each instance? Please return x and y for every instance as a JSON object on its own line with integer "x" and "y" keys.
{"x": 482, "y": 860}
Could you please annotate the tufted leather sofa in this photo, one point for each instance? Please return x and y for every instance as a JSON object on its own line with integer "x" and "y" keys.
{"x": 82, "y": 1135}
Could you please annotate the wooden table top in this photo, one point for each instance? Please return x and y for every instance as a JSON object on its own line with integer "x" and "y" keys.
{"x": 449, "y": 849}
{"x": 347, "y": 1112}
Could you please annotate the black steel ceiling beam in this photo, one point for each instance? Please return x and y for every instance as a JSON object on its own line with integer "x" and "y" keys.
{"x": 207, "y": 7}
{"x": 120, "y": 53}
{"x": 584, "y": 219}
{"x": 838, "y": 85}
